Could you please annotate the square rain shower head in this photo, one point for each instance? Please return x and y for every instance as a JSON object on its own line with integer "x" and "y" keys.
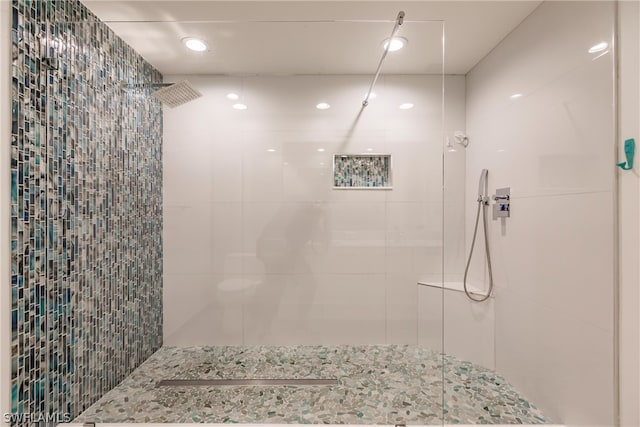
{"x": 177, "y": 94}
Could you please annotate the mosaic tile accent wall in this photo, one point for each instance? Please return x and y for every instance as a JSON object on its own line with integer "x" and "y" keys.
{"x": 86, "y": 209}
{"x": 362, "y": 171}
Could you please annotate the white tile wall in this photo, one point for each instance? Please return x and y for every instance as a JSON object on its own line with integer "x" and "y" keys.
{"x": 430, "y": 317}
{"x": 402, "y": 316}
{"x": 468, "y": 326}
{"x": 564, "y": 360}
{"x": 202, "y": 309}
{"x": 553, "y": 259}
{"x": 259, "y": 249}
{"x": 189, "y": 238}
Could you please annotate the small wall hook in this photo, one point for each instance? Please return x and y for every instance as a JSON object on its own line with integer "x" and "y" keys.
{"x": 629, "y": 152}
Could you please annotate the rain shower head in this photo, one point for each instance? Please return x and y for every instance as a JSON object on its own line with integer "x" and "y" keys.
{"x": 177, "y": 94}
{"x": 170, "y": 94}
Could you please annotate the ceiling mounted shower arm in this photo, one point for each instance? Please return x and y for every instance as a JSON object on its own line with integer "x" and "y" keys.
{"x": 396, "y": 26}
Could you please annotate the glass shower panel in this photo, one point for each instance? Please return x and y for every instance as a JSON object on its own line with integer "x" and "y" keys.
{"x": 293, "y": 267}
{"x": 251, "y": 234}
{"x": 540, "y": 119}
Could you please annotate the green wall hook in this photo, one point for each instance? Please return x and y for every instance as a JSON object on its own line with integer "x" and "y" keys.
{"x": 629, "y": 152}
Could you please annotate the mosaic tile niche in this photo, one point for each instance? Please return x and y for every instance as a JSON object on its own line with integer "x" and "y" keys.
{"x": 86, "y": 209}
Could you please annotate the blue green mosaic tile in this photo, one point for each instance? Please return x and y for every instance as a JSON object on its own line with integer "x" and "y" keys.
{"x": 86, "y": 209}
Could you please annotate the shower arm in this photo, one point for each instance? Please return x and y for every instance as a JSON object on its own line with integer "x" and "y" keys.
{"x": 144, "y": 85}
{"x": 399, "y": 21}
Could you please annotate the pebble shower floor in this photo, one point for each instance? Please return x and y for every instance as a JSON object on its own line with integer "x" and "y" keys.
{"x": 381, "y": 384}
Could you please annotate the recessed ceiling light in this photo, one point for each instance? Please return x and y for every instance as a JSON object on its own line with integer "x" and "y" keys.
{"x": 233, "y": 96}
{"x": 369, "y": 149}
{"x": 320, "y": 150}
{"x": 239, "y": 106}
{"x": 397, "y": 43}
{"x": 406, "y": 106}
{"x": 271, "y": 150}
{"x": 599, "y": 47}
{"x": 515, "y": 96}
{"x": 197, "y": 45}
{"x": 323, "y": 106}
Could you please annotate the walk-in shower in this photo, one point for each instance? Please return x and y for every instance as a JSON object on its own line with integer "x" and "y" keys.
{"x": 299, "y": 240}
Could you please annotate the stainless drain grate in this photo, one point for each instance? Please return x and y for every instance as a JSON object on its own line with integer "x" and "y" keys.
{"x": 247, "y": 382}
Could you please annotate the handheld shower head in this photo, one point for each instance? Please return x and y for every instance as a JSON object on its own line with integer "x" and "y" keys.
{"x": 483, "y": 202}
{"x": 483, "y": 195}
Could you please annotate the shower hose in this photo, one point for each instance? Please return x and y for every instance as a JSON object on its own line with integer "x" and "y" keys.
{"x": 481, "y": 205}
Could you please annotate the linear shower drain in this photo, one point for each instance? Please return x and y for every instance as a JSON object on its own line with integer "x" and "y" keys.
{"x": 246, "y": 382}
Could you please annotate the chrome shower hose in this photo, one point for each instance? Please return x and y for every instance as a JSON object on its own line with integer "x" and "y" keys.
{"x": 481, "y": 205}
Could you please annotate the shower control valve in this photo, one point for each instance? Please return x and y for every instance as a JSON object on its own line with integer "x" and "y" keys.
{"x": 502, "y": 205}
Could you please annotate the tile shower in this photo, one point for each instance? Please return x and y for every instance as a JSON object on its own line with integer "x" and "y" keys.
{"x": 204, "y": 242}
{"x": 86, "y": 209}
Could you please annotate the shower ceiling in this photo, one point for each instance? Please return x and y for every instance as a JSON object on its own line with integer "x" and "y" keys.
{"x": 155, "y": 28}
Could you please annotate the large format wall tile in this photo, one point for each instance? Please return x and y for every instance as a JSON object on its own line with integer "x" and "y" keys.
{"x": 86, "y": 210}
{"x": 553, "y": 260}
{"x": 252, "y": 213}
